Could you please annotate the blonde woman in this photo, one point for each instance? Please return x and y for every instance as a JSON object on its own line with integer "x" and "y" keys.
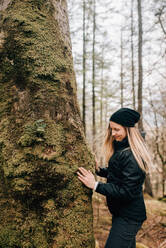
{"x": 128, "y": 162}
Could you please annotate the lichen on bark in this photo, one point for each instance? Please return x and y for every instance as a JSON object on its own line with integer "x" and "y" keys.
{"x": 42, "y": 143}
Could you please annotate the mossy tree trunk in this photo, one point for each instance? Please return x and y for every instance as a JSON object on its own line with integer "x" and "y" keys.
{"x": 42, "y": 143}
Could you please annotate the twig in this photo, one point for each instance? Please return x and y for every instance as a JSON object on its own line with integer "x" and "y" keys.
{"x": 147, "y": 230}
{"x": 163, "y": 244}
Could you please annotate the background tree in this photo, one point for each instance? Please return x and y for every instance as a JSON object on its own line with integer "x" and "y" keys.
{"x": 42, "y": 140}
{"x": 94, "y": 76}
{"x": 132, "y": 56}
{"x": 84, "y": 67}
{"x": 161, "y": 12}
{"x": 140, "y": 73}
{"x": 158, "y": 139}
{"x": 121, "y": 72}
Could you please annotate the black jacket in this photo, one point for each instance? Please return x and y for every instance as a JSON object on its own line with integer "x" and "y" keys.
{"x": 123, "y": 189}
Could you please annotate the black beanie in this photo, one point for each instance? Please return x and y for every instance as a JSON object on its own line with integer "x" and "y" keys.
{"x": 125, "y": 117}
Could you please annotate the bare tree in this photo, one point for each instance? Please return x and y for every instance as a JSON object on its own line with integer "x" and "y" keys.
{"x": 121, "y": 73}
{"x": 159, "y": 137}
{"x": 93, "y": 75}
{"x": 84, "y": 68}
{"x": 132, "y": 57}
{"x": 140, "y": 73}
{"x": 160, "y": 13}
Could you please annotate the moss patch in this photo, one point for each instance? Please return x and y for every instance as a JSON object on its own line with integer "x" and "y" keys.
{"x": 9, "y": 238}
{"x": 33, "y": 133}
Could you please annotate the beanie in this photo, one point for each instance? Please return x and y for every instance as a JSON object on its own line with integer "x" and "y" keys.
{"x": 126, "y": 117}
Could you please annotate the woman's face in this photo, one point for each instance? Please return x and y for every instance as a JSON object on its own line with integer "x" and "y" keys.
{"x": 118, "y": 131}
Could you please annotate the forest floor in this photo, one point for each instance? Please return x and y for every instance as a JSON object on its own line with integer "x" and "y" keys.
{"x": 152, "y": 233}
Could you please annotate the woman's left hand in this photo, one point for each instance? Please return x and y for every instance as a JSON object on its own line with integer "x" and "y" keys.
{"x": 86, "y": 177}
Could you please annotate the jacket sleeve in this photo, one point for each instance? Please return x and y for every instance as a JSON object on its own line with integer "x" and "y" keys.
{"x": 131, "y": 183}
{"x": 103, "y": 172}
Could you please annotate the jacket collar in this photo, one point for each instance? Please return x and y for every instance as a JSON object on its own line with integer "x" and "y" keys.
{"x": 120, "y": 145}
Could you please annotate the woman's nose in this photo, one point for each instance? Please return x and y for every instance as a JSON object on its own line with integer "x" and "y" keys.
{"x": 113, "y": 133}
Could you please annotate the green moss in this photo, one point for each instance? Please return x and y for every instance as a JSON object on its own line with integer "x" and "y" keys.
{"x": 32, "y": 38}
{"x": 32, "y": 133}
{"x": 39, "y": 238}
{"x": 41, "y": 139}
{"x": 57, "y": 135}
{"x": 26, "y": 140}
{"x": 9, "y": 238}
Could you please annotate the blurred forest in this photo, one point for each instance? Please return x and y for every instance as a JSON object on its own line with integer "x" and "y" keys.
{"x": 119, "y": 50}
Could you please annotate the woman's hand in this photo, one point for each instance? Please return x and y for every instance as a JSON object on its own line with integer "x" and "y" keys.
{"x": 86, "y": 177}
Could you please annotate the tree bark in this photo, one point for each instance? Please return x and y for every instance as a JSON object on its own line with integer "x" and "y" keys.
{"x": 121, "y": 71}
{"x": 140, "y": 77}
{"x": 102, "y": 87}
{"x": 42, "y": 141}
{"x": 84, "y": 69}
{"x": 93, "y": 77}
{"x": 132, "y": 57}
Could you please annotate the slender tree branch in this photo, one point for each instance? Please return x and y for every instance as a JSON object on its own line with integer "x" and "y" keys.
{"x": 159, "y": 14}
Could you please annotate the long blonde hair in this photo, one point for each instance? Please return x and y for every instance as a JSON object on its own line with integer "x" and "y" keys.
{"x": 137, "y": 145}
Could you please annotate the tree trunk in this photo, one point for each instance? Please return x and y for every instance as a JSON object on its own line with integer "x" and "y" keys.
{"x": 84, "y": 70}
{"x": 163, "y": 178}
{"x": 102, "y": 88}
{"x": 121, "y": 72}
{"x": 42, "y": 142}
{"x": 93, "y": 76}
{"x": 132, "y": 57}
{"x": 106, "y": 103}
{"x": 140, "y": 77}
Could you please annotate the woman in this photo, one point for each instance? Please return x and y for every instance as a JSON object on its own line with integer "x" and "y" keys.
{"x": 128, "y": 162}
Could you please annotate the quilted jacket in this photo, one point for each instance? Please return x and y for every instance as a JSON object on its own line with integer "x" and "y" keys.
{"x": 123, "y": 189}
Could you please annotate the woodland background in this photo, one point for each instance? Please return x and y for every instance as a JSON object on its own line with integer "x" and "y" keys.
{"x": 119, "y": 50}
